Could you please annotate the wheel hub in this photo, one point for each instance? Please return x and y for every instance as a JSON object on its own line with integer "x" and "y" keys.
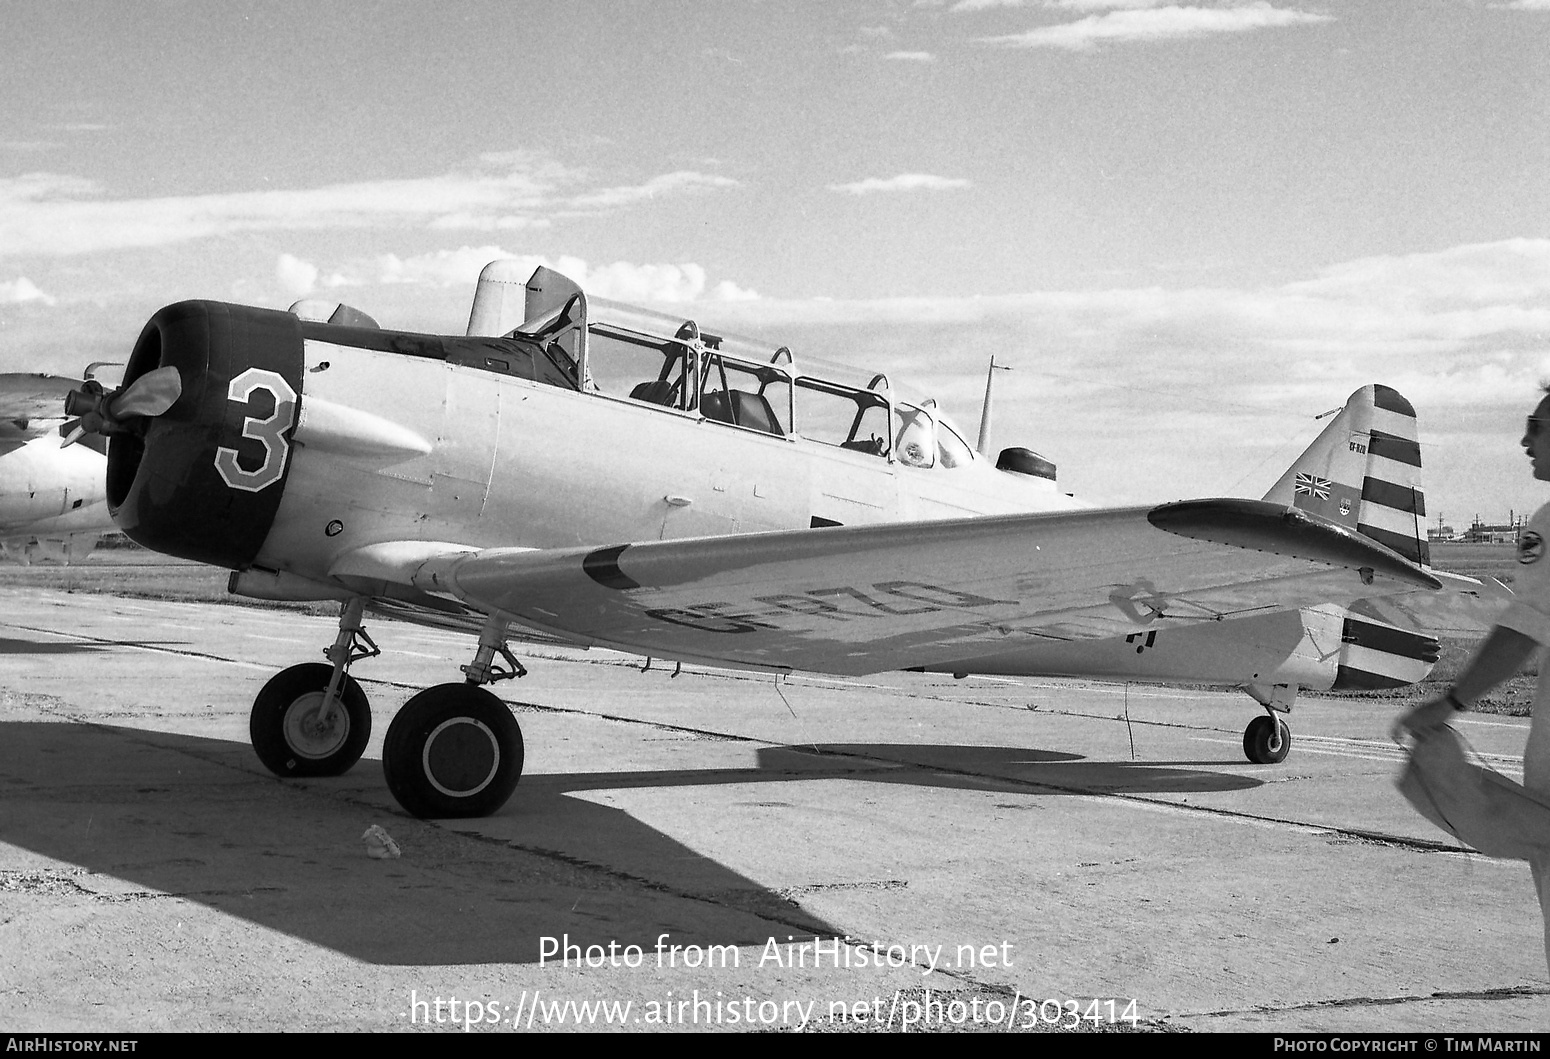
{"x": 307, "y": 734}
{"x": 461, "y": 757}
{"x": 1276, "y": 737}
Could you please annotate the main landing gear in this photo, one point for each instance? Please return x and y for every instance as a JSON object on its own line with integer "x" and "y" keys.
{"x": 454, "y": 750}
{"x": 1267, "y": 740}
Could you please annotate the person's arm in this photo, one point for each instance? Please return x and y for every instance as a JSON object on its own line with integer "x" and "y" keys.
{"x": 1499, "y": 658}
{"x": 1521, "y": 629}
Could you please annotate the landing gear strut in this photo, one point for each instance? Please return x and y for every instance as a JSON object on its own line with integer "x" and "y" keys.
{"x": 455, "y": 750}
{"x": 1267, "y": 740}
{"x": 314, "y": 719}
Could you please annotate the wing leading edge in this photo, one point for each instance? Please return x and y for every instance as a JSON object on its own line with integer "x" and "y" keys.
{"x": 868, "y": 599}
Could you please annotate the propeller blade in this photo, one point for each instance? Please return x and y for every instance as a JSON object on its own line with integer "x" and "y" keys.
{"x": 76, "y": 431}
{"x": 149, "y": 395}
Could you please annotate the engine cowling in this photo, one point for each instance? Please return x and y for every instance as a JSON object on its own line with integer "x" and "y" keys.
{"x": 205, "y": 431}
{"x": 203, "y": 479}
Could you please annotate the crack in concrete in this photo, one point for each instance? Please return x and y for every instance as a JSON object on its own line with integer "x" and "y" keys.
{"x": 1508, "y": 992}
{"x": 53, "y": 882}
{"x": 58, "y": 882}
{"x": 820, "y": 888}
{"x": 720, "y": 898}
{"x": 158, "y": 895}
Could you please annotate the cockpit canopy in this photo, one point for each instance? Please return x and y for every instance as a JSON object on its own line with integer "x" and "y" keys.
{"x": 634, "y": 354}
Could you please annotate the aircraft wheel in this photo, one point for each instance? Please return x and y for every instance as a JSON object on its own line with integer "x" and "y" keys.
{"x": 285, "y": 730}
{"x": 1267, "y": 741}
{"x": 453, "y": 750}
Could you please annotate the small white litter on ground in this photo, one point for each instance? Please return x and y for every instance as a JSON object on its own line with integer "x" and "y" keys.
{"x": 379, "y": 844}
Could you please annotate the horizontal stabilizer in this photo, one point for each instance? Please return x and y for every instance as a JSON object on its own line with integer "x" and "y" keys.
{"x": 1376, "y": 655}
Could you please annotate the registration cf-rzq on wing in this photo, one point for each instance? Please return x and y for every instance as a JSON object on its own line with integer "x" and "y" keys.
{"x": 585, "y": 472}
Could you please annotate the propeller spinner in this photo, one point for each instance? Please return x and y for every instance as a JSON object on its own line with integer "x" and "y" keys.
{"x": 102, "y": 412}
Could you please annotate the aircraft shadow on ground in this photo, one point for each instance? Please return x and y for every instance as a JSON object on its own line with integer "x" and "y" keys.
{"x": 978, "y": 768}
{"x": 159, "y": 813}
{"x": 10, "y": 646}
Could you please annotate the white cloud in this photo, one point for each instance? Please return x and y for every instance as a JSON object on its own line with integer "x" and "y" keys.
{"x": 1159, "y": 393}
{"x": 650, "y": 283}
{"x": 441, "y": 268}
{"x": 911, "y": 56}
{"x": 1414, "y": 317}
{"x": 667, "y": 183}
{"x": 620, "y": 281}
{"x": 463, "y": 220}
{"x": 55, "y": 215}
{"x": 1069, "y": 5}
{"x": 727, "y": 291}
{"x": 902, "y": 182}
{"x": 295, "y": 276}
{"x": 60, "y": 215}
{"x": 1101, "y": 5}
{"x": 20, "y": 290}
{"x": 986, "y": 5}
{"x": 1526, "y": 5}
{"x": 1162, "y": 23}
{"x": 1510, "y": 271}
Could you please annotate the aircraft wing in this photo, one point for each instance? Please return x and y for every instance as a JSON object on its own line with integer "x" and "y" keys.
{"x": 30, "y": 404}
{"x": 865, "y": 599}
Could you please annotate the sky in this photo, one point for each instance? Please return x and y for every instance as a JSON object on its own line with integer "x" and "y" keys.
{"x": 1190, "y": 228}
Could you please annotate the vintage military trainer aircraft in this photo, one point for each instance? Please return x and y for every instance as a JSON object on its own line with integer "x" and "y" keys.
{"x": 590, "y": 473}
{"x": 52, "y": 504}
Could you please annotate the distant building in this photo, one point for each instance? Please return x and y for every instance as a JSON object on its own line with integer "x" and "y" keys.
{"x": 1486, "y": 533}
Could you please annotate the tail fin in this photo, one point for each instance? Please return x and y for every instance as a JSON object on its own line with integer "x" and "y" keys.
{"x": 1364, "y": 472}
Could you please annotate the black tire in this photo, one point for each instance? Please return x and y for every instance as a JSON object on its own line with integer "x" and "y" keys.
{"x": 282, "y": 729}
{"x": 454, "y": 750}
{"x": 1267, "y": 741}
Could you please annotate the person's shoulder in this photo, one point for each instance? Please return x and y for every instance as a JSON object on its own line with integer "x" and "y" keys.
{"x": 1541, "y": 521}
{"x": 1531, "y": 542}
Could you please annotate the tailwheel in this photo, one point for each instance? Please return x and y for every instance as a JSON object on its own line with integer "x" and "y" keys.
{"x": 294, "y": 735}
{"x": 1267, "y": 740}
{"x": 453, "y": 750}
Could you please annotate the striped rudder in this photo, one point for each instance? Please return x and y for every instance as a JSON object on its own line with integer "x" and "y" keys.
{"x": 1364, "y": 472}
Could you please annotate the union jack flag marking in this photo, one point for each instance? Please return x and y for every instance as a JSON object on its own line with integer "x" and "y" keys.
{"x": 1309, "y": 485}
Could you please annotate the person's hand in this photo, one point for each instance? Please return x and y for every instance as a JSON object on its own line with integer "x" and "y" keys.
{"x": 1433, "y": 713}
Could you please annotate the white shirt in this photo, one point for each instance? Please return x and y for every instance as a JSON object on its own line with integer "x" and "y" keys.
{"x": 1529, "y": 614}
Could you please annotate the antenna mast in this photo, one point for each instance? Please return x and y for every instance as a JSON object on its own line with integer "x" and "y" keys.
{"x": 984, "y": 443}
